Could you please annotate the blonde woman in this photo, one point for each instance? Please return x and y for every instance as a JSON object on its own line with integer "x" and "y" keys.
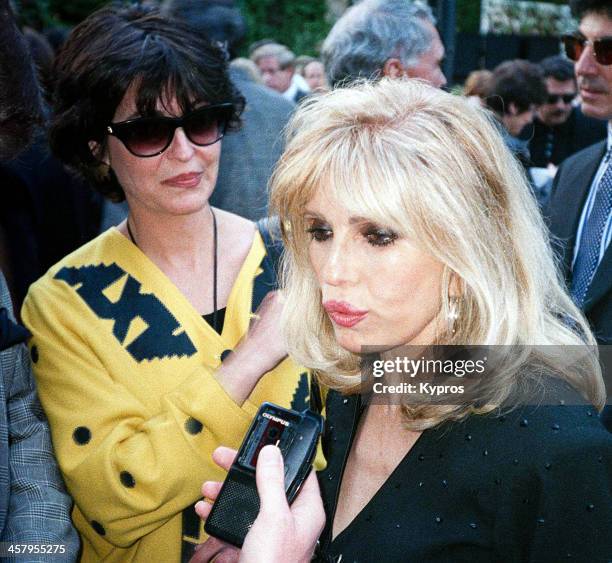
{"x": 407, "y": 221}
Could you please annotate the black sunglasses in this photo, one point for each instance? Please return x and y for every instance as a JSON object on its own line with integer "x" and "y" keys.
{"x": 150, "y": 136}
{"x": 554, "y": 98}
{"x": 576, "y": 43}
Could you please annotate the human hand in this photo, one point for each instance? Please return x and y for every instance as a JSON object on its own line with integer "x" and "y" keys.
{"x": 260, "y": 350}
{"x": 264, "y": 340}
{"x": 280, "y": 533}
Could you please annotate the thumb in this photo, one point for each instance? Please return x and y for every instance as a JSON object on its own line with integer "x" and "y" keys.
{"x": 270, "y": 478}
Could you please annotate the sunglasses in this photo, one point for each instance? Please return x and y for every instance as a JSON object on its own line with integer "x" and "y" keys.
{"x": 576, "y": 44}
{"x": 554, "y": 98}
{"x": 150, "y": 136}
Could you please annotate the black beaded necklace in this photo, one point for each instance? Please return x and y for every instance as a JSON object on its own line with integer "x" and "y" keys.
{"x": 215, "y": 249}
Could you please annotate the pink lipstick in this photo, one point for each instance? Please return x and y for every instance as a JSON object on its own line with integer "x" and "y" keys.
{"x": 343, "y": 314}
{"x": 189, "y": 180}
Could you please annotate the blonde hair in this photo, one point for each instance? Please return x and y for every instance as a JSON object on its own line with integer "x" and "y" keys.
{"x": 434, "y": 169}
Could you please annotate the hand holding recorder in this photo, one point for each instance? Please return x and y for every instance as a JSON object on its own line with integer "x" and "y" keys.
{"x": 253, "y": 506}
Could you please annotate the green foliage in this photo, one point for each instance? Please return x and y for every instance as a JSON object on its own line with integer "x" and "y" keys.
{"x": 301, "y": 25}
{"x": 40, "y": 14}
{"x": 33, "y": 13}
{"x": 73, "y": 11}
{"x": 468, "y": 16}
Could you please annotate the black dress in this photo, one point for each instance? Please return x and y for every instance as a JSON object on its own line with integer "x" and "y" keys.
{"x": 532, "y": 485}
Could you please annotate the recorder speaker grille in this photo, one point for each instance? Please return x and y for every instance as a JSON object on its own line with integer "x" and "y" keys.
{"x": 236, "y": 509}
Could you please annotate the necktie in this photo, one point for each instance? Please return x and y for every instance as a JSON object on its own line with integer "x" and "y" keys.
{"x": 587, "y": 259}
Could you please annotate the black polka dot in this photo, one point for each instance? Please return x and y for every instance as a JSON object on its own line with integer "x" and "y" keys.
{"x": 127, "y": 480}
{"x": 99, "y": 529}
{"x": 34, "y": 353}
{"x": 225, "y": 354}
{"x": 81, "y": 435}
{"x": 193, "y": 426}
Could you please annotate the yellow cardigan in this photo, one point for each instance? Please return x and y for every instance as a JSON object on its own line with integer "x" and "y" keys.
{"x": 124, "y": 367}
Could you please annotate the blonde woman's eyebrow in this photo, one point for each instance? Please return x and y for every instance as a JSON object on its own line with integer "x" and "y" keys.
{"x": 355, "y": 220}
{"x": 308, "y": 214}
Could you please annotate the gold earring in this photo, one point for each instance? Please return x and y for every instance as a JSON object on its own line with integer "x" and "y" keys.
{"x": 452, "y": 314}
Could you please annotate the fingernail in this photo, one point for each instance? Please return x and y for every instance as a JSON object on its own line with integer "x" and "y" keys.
{"x": 270, "y": 455}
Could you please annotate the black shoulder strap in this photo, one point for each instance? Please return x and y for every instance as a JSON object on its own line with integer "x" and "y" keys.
{"x": 267, "y": 281}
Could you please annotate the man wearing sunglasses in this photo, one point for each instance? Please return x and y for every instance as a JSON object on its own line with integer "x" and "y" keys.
{"x": 560, "y": 128}
{"x": 580, "y": 208}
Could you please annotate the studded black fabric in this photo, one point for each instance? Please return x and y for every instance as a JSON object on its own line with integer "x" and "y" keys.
{"x": 535, "y": 485}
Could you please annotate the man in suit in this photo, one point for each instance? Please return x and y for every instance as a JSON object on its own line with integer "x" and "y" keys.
{"x": 248, "y": 156}
{"x": 580, "y": 208}
{"x": 560, "y": 128}
{"x": 392, "y": 38}
{"x": 34, "y": 505}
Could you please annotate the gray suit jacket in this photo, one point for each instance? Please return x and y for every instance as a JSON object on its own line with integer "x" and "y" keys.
{"x": 34, "y": 506}
{"x": 569, "y": 193}
{"x": 249, "y": 155}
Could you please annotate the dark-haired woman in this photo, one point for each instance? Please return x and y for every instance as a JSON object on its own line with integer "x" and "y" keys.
{"x": 132, "y": 333}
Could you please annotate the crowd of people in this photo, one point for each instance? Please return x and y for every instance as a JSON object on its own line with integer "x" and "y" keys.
{"x": 188, "y": 233}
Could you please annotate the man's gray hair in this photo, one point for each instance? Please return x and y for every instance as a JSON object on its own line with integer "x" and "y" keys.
{"x": 283, "y": 55}
{"x": 373, "y": 31}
